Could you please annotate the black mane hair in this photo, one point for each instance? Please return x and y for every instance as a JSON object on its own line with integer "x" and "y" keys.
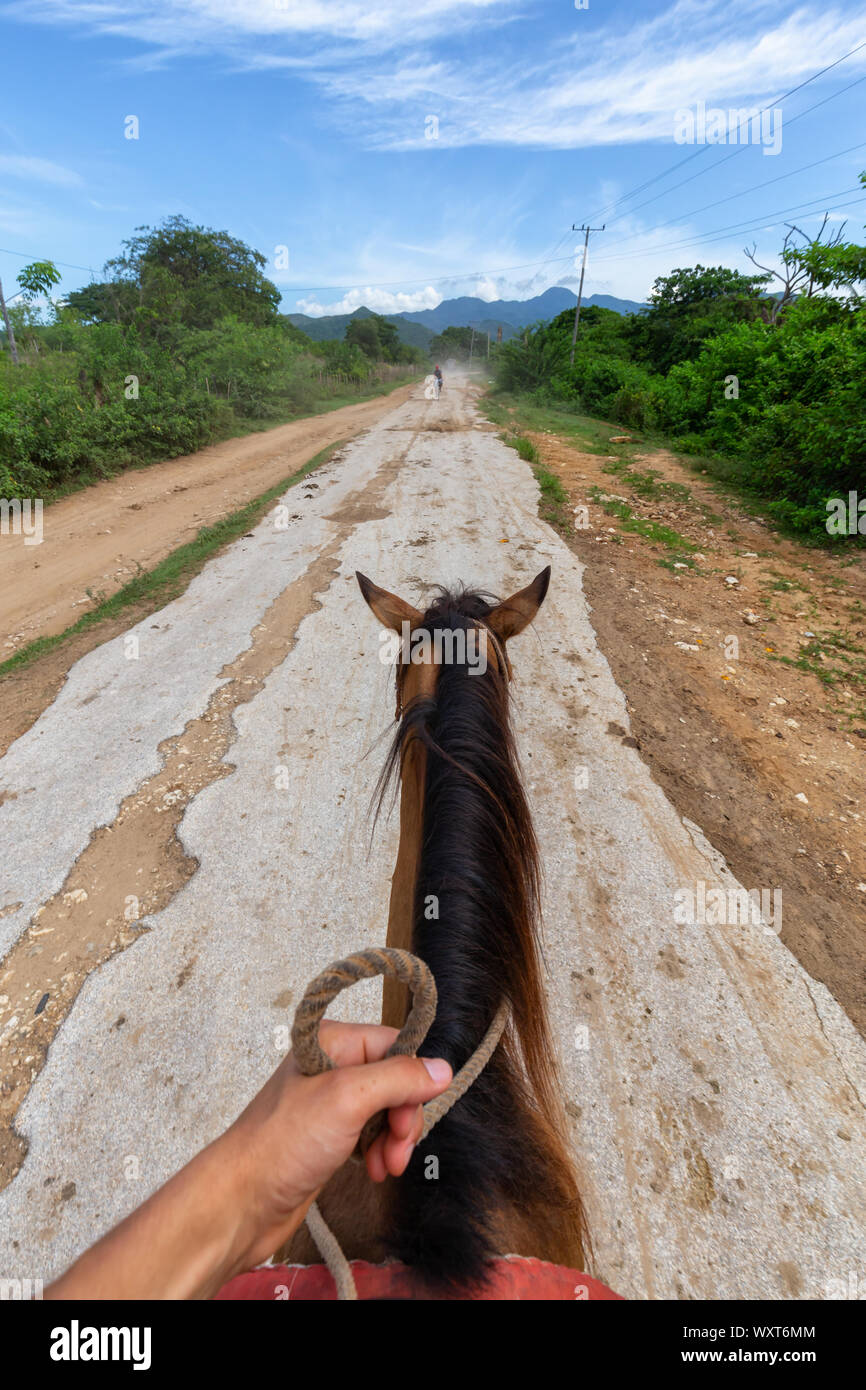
{"x": 501, "y": 1145}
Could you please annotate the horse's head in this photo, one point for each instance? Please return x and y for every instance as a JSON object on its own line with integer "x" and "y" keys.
{"x": 463, "y": 627}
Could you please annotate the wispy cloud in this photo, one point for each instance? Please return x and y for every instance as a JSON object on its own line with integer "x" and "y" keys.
{"x": 626, "y": 89}
{"x": 19, "y": 166}
{"x": 622, "y": 86}
{"x": 179, "y": 25}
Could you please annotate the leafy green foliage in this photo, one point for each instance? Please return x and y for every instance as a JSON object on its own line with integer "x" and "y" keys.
{"x": 840, "y": 266}
{"x": 194, "y": 276}
{"x": 690, "y": 306}
{"x": 182, "y": 346}
{"x": 777, "y": 410}
{"x": 39, "y": 277}
{"x": 377, "y": 338}
{"x": 798, "y": 424}
{"x": 455, "y": 342}
{"x": 111, "y": 301}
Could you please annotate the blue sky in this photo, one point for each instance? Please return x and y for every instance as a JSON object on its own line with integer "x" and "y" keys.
{"x": 407, "y": 153}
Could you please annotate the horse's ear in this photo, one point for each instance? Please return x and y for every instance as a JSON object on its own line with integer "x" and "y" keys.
{"x": 389, "y": 609}
{"x": 513, "y": 614}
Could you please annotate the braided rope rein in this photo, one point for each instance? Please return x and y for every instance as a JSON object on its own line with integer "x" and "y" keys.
{"x": 312, "y": 1059}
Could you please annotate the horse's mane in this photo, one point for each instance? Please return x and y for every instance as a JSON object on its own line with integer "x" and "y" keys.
{"x": 501, "y": 1146}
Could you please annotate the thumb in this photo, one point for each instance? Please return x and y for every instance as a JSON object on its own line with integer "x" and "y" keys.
{"x": 366, "y": 1090}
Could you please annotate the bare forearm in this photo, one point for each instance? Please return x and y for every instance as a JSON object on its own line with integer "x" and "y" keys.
{"x": 243, "y": 1197}
{"x": 184, "y": 1242}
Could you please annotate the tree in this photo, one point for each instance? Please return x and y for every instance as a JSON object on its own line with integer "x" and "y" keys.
{"x": 452, "y": 342}
{"x": 389, "y": 338}
{"x": 37, "y": 278}
{"x": 194, "y": 276}
{"x": 529, "y": 362}
{"x": 823, "y": 262}
{"x": 691, "y": 305}
{"x": 364, "y": 334}
{"x": 802, "y": 264}
{"x": 10, "y": 332}
{"x": 109, "y": 301}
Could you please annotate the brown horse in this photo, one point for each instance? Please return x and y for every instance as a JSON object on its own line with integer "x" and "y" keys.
{"x": 494, "y": 1176}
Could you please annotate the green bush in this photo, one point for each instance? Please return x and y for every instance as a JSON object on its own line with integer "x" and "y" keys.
{"x": 778, "y": 409}
{"x": 182, "y": 345}
{"x": 788, "y": 401}
{"x": 107, "y": 397}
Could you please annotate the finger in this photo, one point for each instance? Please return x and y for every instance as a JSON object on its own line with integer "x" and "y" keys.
{"x": 374, "y": 1159}
{"x": 402, "y": 1120}
{"x": 392, "y": 1148}
{"x": 398, "y": 1148}
{"x": 352, "y": 1044}
{"x": 397, "y": 1081}
{"x": 390, "y": 1154}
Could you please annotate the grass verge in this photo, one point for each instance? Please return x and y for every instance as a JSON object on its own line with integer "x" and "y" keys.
{"x": 586, "y": 433}
{"x": 553, "y": 506}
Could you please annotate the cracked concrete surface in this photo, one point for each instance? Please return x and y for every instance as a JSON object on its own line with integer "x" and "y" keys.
{"x": 714, "y": 1090}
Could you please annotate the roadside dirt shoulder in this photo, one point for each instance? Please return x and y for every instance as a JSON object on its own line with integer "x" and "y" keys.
{"x": 743, "y": 658}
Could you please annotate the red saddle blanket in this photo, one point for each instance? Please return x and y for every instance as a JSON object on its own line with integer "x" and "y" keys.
{"x": 513, "y": 1278}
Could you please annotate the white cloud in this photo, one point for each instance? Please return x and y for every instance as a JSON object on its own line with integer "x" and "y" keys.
{"x": 379, "y": 64}
{"x": 626, "y": 89}
{"x": 19, "y": 166}
{"x": 180, "y": 25}
{"x": 487, "y": 289}
{"x": 382, "y": 301}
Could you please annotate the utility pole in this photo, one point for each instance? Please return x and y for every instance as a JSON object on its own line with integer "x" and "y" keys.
{"x": 10, "y": 334}
{"x": 580, "y": 287}
{"x": 471, "y": 346}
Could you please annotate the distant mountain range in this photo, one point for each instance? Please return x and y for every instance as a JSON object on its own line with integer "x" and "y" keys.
{"x": 467, "y": 312}
{"x": 485, "y": 316}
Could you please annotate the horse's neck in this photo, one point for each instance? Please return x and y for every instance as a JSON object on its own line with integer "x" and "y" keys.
{"x": 395, "y": 996}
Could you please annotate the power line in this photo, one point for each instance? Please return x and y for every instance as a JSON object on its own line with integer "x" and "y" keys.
{"x": 702, "y": 150}
{"x": 29, "y": 256}
{"x": 765, "y": 183}
{"x": 549, "y": 259}
{"x": 552, "y": 253}
{"x": 810, "y": 209}
{"x": 527, "y": 265}
{"x": 693, "y": 212}
{"x": 391, "y": 284}
{"x": 741, "y": 149}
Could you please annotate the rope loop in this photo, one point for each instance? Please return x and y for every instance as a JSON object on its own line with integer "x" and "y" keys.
{"x": 364, "y": 965}
{"x": 312, "y": 1059}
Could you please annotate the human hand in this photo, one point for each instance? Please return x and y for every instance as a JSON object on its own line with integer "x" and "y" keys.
{"x": 299, "y": 1129}
{"x": 246, "y": 1194}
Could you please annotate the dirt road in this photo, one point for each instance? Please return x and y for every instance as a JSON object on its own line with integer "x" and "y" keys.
{"x": 185, "y": 831}
{"x": 95, "y": 541}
